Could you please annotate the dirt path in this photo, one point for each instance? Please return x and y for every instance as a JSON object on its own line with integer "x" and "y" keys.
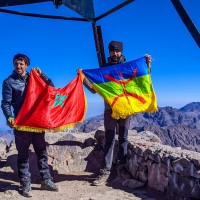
{"x": 75, "y": 186}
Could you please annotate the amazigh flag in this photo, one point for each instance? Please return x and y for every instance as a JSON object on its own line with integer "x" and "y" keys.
{"x": 51, "y": 109}
{"x": 126, "y": 87}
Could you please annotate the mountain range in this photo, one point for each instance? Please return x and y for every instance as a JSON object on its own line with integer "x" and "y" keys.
{"x": 175, "y": 127}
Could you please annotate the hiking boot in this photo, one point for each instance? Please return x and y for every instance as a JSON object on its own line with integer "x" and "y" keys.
{"x": 102, "y": 178}
{"x": 49, "y": 185}
{"x": 26, "y": 190}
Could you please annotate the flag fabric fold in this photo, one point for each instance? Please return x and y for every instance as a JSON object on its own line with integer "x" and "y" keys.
{"x": 126, "y": 87}
{"x": 51, "y": 109}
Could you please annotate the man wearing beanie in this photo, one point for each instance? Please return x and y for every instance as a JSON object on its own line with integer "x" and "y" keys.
{"x": 112, "y": 125}
{"x": 115, "y": 50}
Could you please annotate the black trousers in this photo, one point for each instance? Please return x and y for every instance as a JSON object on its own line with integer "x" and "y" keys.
{"x": 111, "y": 125}
{"x": 23, "y": 141}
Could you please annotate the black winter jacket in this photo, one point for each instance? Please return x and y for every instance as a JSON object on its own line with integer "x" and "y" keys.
{"x": 14, "y": 90}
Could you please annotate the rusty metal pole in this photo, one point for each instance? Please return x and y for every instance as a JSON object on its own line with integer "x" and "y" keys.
{"x": 99, "y": 44}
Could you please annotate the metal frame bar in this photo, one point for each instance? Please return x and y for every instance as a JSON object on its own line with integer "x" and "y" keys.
{"x": 113, "y": 9}
{"x": 5, "y": 3}
{"x": 187, "y": 20}
{"x": 99, "y": 44}
{"x": 42, "y": 16}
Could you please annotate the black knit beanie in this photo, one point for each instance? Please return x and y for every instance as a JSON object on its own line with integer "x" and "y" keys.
{"x": 115, "y": 45}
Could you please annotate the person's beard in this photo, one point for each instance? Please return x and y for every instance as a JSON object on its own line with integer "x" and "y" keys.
{"x": 115, "y": 59}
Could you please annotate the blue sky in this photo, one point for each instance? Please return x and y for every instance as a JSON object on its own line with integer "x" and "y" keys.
{"x": 60, "y": 47}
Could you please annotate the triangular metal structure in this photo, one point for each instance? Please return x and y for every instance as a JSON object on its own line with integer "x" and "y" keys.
{"x": 83, "y": 7}
{"x": 86, "y": 9}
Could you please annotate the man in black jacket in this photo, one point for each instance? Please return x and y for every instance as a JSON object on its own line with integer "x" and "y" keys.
{"x": 13, "y": 94}
{"x": 112, "y": 125}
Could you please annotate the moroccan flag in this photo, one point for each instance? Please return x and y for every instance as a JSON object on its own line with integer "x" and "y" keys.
{"x": 126, "y": 87}
{"x": 51, "y": 109}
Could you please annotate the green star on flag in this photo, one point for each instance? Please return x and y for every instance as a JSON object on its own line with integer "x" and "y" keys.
{"x": 59, "y": 100}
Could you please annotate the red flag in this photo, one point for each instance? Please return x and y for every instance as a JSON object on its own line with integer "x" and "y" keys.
{"x": 51, "y": 109}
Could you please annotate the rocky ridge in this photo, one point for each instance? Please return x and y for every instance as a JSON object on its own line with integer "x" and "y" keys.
{"x": 175, "y": 127}
{"x": 169, "y": 173}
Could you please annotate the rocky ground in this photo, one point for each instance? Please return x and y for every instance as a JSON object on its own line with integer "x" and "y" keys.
{"x": 74, "y": 183}
{"x": 75, "y": 186}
